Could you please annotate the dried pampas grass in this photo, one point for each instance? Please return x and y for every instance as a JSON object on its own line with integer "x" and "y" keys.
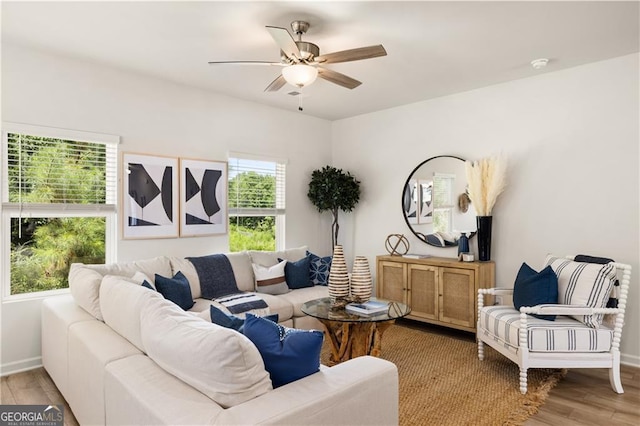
{"x": 487, "y": 178}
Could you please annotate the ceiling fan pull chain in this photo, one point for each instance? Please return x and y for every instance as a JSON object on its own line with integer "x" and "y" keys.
{"x": 299, "y": 101}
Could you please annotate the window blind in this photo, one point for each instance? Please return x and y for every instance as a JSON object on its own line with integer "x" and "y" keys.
{"x": 51, "y": 171}
{"x": 256, "y": 187}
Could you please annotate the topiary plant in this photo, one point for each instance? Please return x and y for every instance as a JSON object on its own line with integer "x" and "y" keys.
{"x": 332, "y": 189}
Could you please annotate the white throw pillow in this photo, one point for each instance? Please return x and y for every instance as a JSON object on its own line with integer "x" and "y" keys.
{"x": 270, "y": 279}
{"x": 583, "y": 284}
{"x": 221, "y": 363}
{"x": 120, "y": 302}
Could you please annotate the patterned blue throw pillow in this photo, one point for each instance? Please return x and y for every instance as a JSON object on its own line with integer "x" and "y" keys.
{"x": 288, "y": 354}
{"x": 319, "y": 269}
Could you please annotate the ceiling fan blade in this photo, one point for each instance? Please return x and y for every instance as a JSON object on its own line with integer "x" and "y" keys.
{"x": 276, "y": 84}
{"x": 338, "y": 78}
{"x": 352, "y": 55}
{"x": 286, "y": 43}
{"x": 264, "y": 63}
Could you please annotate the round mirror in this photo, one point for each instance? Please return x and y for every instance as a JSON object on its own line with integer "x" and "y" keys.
{"x": 436, "y": 204}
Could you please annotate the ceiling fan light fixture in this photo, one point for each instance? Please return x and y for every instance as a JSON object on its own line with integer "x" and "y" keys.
{"x": 300, "y": 75}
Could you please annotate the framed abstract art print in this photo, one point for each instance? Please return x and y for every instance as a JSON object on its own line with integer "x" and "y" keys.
{"x": 203, "y": 197}
{"x": 150, "y": 196}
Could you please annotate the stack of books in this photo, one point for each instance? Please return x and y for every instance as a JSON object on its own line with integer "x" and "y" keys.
{"x": 371, "y": 307}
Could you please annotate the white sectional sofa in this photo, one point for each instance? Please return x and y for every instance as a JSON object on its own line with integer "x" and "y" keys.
{"x": 123, "y": 355}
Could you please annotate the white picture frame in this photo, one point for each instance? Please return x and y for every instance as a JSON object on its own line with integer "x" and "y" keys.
{"x": 149, "y": 196}
{"x": 203, "y": 197}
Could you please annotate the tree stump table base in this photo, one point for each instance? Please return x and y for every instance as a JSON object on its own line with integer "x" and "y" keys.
{"x": 353, "y": 339}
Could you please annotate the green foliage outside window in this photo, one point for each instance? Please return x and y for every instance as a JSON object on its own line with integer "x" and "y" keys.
{"x": 252, "y": 190}
{"x": 53, "y": 171}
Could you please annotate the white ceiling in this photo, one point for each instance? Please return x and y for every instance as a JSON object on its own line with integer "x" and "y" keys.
{"x": 434, "y": 48}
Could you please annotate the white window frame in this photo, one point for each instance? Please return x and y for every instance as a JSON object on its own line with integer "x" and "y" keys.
{"x": 16, "y": 210}
{"x": 279, "y": 211}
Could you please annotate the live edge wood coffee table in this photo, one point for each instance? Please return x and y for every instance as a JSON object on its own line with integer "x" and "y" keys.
{"x": 352, "y": 335}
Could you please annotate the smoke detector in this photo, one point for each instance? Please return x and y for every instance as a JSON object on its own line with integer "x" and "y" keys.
{"x": 539, "y": 63}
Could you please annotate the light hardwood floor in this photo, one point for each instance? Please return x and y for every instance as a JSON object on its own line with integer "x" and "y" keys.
{"x": 583, "y": 397}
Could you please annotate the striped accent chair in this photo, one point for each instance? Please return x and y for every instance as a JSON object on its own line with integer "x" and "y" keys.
{"x": 585, "y": 333}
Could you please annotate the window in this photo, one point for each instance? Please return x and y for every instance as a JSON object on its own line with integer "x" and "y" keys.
{"x": 443, "y": 185}
{"x": 256, "y": 203}
{"x": 58, "y": 204}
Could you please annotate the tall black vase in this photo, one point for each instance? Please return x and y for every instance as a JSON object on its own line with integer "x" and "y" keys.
{"x": 484, "y": 237}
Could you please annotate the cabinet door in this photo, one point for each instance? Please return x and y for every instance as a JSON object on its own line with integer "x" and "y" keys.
{"x": 457, "y": 296}
{"x": 423, "y": 291}
{"x": 392, "y": 281}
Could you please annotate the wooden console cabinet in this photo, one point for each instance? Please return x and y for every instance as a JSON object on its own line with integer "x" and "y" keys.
{"x": 438, "y": 290}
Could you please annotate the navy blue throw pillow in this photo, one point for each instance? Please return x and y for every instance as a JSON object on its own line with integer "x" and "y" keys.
{"x": 319, "y": 268}
{"x": 535, "y": 288}
{"x": 297, "y": 273}
{"x": 232, "y": 321}
{"x": 288, "y": 354}
{"x": 176, "y": 289}
{"x": 146, "y": 284}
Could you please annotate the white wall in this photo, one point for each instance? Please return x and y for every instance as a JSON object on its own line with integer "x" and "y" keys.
{"x": 158, "y": 117}
{"x": 572, "y": 142}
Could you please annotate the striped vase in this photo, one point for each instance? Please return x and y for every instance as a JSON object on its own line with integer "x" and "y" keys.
{"x": 361, "y": 282}
{"x": 338, "y": 276}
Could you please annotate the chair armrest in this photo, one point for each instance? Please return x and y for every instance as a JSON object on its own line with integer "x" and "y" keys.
{"x": 496, "y": 291}
{"x": 363, "y": 390}
{"x": 566, "y": 310}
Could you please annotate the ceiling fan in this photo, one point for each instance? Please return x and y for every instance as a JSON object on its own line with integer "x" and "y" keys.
{"x": 302, "y": 62}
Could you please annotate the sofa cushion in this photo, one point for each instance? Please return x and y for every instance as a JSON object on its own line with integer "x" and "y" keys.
{"x": 565, "y": 334}
{"x": 144, "y": 280}
{"x": 533, "y": 288}
{"x": 270, "y": 279}
{"x": 189, "y": 271}
{"x": 297, "y": 273}
{"x": 150, "y": 267}
{"x": 84, "y": 280}
{"x": 289, "y": 354}
{"x": 298, "y": 297}
{"x": 84, "y": 284}
{"x": 176, "y": 289}
{"x": 219, "y": 362}
{"x": 270, "y": 258}
{"x": 120, "y": 303}
{"x": 319, "y": 268}
{"x": 584, "y": 284}
{"x": 241, "y": 265}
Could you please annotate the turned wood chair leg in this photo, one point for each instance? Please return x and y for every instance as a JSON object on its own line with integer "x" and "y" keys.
{"x": 480, "y": 350}
{"x": 523, "y": 380}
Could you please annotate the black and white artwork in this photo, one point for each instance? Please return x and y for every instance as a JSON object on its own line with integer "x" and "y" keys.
{"x": 150, "y": 196}
{"x": 410, "y": 201}
{"x": 203, "y": 197}
{"x": 425, "y": 214}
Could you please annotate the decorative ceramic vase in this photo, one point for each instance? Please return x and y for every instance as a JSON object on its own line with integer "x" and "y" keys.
{"x": 484, "y": 237}
{"x": 361, "y": 282}
{"x": 338, "y": 276}
{"x": 463, "y": 243}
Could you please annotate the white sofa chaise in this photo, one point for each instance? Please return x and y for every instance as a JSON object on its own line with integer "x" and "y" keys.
{"x": 123, "y": 355}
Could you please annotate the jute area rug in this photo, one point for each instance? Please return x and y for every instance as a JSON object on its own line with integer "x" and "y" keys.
{"x": 442, "y": 381}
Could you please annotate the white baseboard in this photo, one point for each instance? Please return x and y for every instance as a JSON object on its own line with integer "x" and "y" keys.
{"x": 631, "y": 360}
{"x": 20, "y": 366}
